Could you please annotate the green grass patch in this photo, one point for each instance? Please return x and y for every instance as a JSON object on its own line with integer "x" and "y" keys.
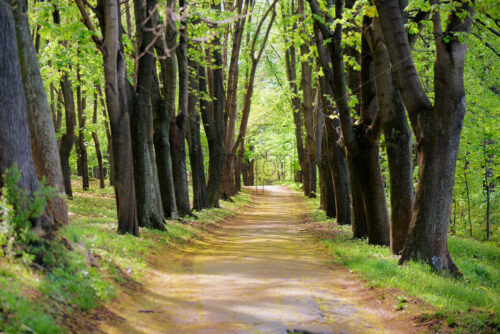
{"x": 32, "y": 299}
{"x": 468, "y": 305}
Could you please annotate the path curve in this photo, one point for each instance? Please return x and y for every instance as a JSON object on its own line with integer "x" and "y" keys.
{"x": 260, "y": 273}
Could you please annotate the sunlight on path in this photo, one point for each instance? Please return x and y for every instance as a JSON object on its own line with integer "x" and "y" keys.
{"x": 260, "y": 273}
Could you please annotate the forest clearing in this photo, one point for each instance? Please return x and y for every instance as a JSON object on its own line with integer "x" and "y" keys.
{"x": 249, "y": 166}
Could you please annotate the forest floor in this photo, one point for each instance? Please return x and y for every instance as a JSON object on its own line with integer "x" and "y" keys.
{"x": 261, "y": 272}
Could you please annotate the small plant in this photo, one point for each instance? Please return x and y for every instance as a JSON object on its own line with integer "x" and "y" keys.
{"x": 17, "y": 210}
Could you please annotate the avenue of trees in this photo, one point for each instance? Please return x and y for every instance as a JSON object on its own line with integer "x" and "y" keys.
{"x": 391, "y": 108}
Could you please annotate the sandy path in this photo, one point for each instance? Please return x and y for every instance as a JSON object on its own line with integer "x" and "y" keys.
{"x": 261, "y": 273}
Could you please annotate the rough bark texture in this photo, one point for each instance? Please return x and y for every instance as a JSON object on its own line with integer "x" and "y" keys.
{"x": 228, "y": 183}
{"x": 307, "y": 89}
{"x": 291, "y": 73}
{"x": 80, "y": 140}
{"x": 161, "y": 129}
{"x": 337, "y": 164}
{"x": 178, "y": 125}
{"x": 213, "y": 121}
{"x": 200, "y": 196}
{"x": 118, "y": 101}
{"x": 68, "y": 138}
{"x": 361, "y": 142}
{"x": 147, "y": 194}
{"x": 44, "y": 147}
{"x": 97, "y": 146}
{"x": 163, "y": 109}
{"x": 437, "y": 128}
{"x": 15, "y": 146}
{"x": 108, "y": 134}
{"x": 397, "y": 139}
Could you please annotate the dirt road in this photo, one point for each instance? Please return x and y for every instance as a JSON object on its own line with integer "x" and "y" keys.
{"x": 260, "y": 273}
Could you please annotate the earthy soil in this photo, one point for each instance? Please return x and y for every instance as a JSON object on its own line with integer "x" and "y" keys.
{"x": 262, "y": 272}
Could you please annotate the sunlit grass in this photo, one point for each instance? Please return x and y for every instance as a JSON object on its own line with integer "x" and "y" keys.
{"x": 469, "y": 304}
{"x": 32, "y": 300}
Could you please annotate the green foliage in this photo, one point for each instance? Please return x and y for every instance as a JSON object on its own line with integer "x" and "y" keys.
{"x": 471, "y": 303}
{"x": 18, "y": 210}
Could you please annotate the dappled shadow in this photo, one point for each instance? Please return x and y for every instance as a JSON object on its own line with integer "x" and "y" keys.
{"x": 258, "y": 274}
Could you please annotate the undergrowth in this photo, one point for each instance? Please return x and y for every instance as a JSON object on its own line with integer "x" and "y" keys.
{"x": 464, "y": 305}
{"x": 86, "y": 263}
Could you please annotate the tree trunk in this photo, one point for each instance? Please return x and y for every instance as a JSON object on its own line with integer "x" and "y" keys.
{"x": 361, "y": 140}
{"x": 97, "y": 145}
{"x": 163, "y": 109}
{"x": 228, "y": 182}
{"x": 200, "y": 196}
{"x": 213, "y": 124}
{"x": 15, "y": 146}
{"x": 82, "y": 149}
{"x": 327, "y": 190}
{"x": 108, "y": 134}
{"x": 148, "y": 201}
{"x": 67, "y": 139}
{"x": 437, "y": 128}
{"x": 397, "y": 139}
{"x": 118, "y": 101}
{"x": 337, "y": 165}
{"x": 237, "y": 167}
{"x": 43, "y": 144}
{"x": 178, "y": 124}
{"x": 161, "y": 130}
{"x": 247, "y": 170}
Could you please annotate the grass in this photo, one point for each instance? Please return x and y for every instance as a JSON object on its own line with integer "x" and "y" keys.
{"x": 465, "y": 305}
{"x": 99, "y": 261}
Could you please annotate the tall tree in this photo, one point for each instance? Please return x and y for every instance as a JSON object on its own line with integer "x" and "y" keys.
{"x": 436, "y": 126}
{"x": 337, "y": 165}
{"x": 200, "y": 195}
{"x": 80, "y": 140}
{"x": 163, "y": 109}
{"x": 212, "y": 115}
{"x": 391, "y": 119}
{"x": 147, "y": 192}
{"x": 97, "y": 145}
{"x": 362, "y": 144}
{"x": 255, "y": 56}
{"x": 119, "y": 96}
{"x": 68, "y": 138}
{"x": 306, "y": 86}
{"x": 232, "y": 95}
{"x": 178, "y": 122}
{"x": 15, "y": 146}
{"x": 43, "y": 143}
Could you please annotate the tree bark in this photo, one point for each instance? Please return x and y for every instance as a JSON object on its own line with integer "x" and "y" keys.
{"x": 213, "y": 121}
{"x": 361, "y": 141}
{"x": 397, "y": 138}
{"x": 200, "y": 196}
{"x": 178, "y": 123}
{"x": 228, "y": 183}
{"x": 147, "y": 194}
{"x": 97, "y": 146}
{"x": 108, "y": 134}
{"x": 67, "y": 139}
{"x": 15, "y": 145}
{"x": 163, "y": 109}
{"x": 437, "y": 128}
{"x": 43, "y": 144}
{"x": 80, "y": 140}
{"x": 119, "y": 103}
{"x": 247, "y": 100}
